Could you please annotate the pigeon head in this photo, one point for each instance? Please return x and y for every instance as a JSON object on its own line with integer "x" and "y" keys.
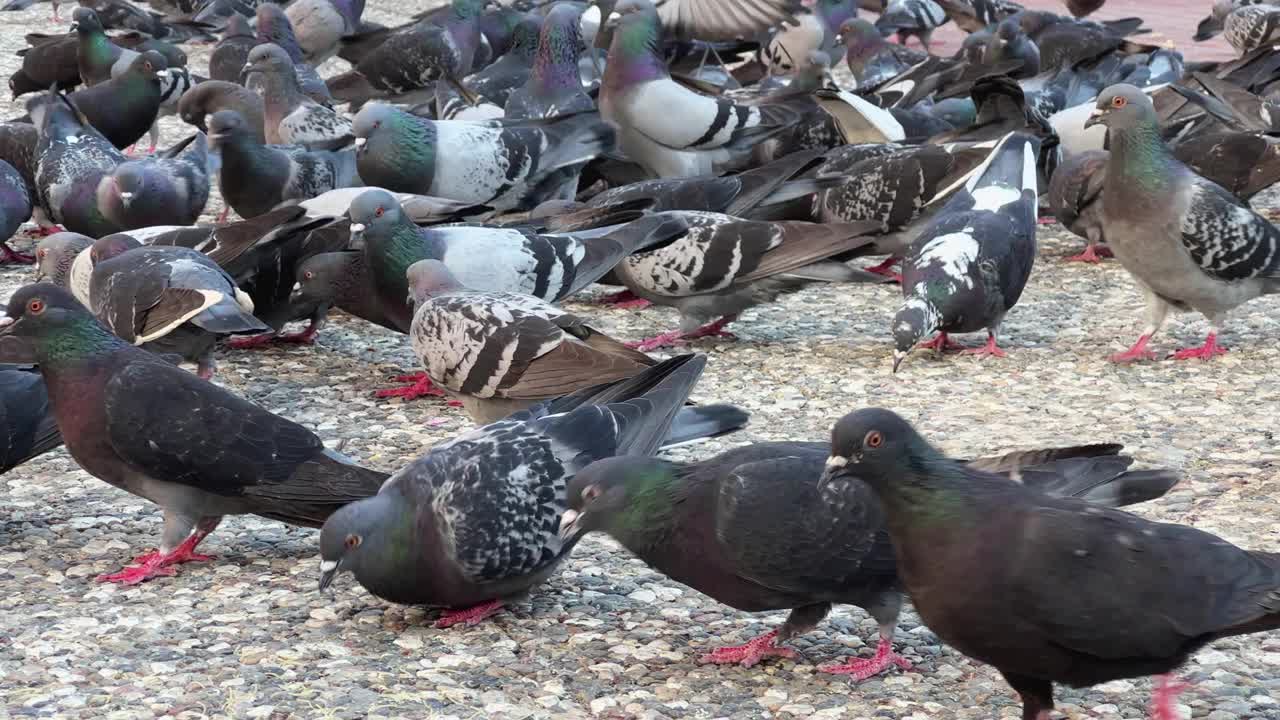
{"x": 471, "y": 8}
{"x": 834, "y": 12}
{"x": 130, "y": 181}
{"x": 377, "y": 124}
{"x": 914, "y": 320}
{"x": 619, "y": 495}
{"x": 85, "y": 21}
{"x": 274, "y": 27}
{"x": 430, "y": 278}
{"x": 860, "y": 37}
{"x": 321, "y": 276}
{"x": 109, "y": 246}
{"x": 367, "y": 538}
{"x": 269, "y": 59}
{"x": 635, "y": 53}
{"x": 1121, "y": 108}
{"x": 55, "y": 255}
{"x": 226, "y": 126}
{"x": 54, "y": 325}
{"x": 638, "y": 18}
{"x": 876, "y": 446}
{"x": 237, "y": 26}
{"x": 375, "y": 211}
{"x": 148, "y": 65}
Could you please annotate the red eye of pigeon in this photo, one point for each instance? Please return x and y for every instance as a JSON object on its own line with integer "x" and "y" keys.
{"x": 378, "y": 212}
{"x": 874, "y": 439}
{"x": 36, "y": 306}
{"x": 353, "y": 542}
{"x": 1118, "y": 101}
{"x": 308, "y": 274}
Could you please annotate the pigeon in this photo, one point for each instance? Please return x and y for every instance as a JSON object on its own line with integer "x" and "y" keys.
{"x": 696, "y": 133}
{"x": 125, "y": 106}
{"x": 1054, "y": 589}
{"x": 320, "y": 24}
{"x": 512, "y": 165}
{"x": 341, "y": 280}
{"x": 170, "y": 300}
{"x": 911, "y": 18}
{"x": 27, "y": 427}
{"x": 289, "y": 116}
{"x": 1009, "y": 42}
{"x": 48, "y": 62}
{"x": 213, "y": 96}
{"x": 1075, "y": 196}
{"x": 751, "y": 528}
{"x": 473, "y": 524}
{"x": 274, "y": 28}
{"x": 1189, "y": 244}
{"x": 18, "y": 141}
{"x": 725, "y": 20}
{"x": 1252, "y": 27}
{"x": 1214, "y": 24}
{"x": 510, "y": 72}
{"x": 968, "y": 268}
{"x": 97, "y": 58}
{"x": 554, "y": 86}
{"x": 170, "y": 189}
{"x": 59, "y": 261}
{"x": 73, "y": 158}
{"x": 232, "y": 51}
{"x": 873, "y": 60}
{"x": 721, "y": 266}
{"x": 1083, "y": 8}
{"x": 124, "y": 15}
{"x": 15, "y": 209}
{"x": 139, "y": 423}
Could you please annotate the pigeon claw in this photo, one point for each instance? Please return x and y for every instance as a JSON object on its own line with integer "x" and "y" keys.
{"x": 419, "y": 386}
{"x": 1138, "y": 352}
{"x": 861, "y": 669}
{"x": 988, "y": 350}
{"x": 886, "y": 268}
{"x": 1092, "y": 254}
{"x": 625, "y": 300}
{"x": 750, "y": 653}
{"x": 942, "y": 343}
{"x": 1208, "y": 351}
{"x": 469, "y": 616}
{"x": 305, "y": 337}
{"x": 1164, "y": 696}
{"x": 153, "y": 564}
{"x": 47, "y": 230}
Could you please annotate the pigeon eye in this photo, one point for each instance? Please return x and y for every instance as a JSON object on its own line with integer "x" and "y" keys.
{"x": 378, "y": 212}
{"x": 35, "y": 306}
{"x": 590, "y": 492}
{"x": 873, "y": 439}
{"x": 1119, "y": 101}
{"x": 353, "y": 541}
{"x": 308, "y": 274}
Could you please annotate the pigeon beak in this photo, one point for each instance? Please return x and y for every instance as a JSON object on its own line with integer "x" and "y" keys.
{"x": 611, "y": 22}
{"x": 126, "y": 198}
{"x": 569, "y": 524}
{"x": 328, "y": 571}
{"x": 75, "y": 26}
{"x": 1095, "y": 118}
{"x": 359, "y": 142}
{"x": 835, "y": 465}
{"x": 357, "y": 235}
{"x": 898, "y": 357}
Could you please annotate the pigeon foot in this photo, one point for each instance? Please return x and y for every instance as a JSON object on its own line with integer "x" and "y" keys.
{"x": 222, "y": 216}
{"x": 47, "y": 230}
{"x": 1046, "y": 220}
{"x": 306, "y": 337}
{"x": 10, "y": 256}
{"x": 153, "y": 564}
{"x": 1138, "y": 352}
{"x": 1092, "y": 254}
{"x": 419, "y": 386}
{"x": 1166, "y": 692}
{"x": 941, "y": 343}
{"x": 752, "y": 652}
{"x": 886, "y": 268}
{"x": 625, "y": 300}
{"x": 469, "y": 616}
{"x": 861, "y": 669}
{"x": 988, "y": 350}
{"x": 1208, "y": 351}
{"x": 677, "y": 337}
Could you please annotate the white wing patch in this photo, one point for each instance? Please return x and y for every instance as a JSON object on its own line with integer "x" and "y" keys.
{"x": 954, "y": 253}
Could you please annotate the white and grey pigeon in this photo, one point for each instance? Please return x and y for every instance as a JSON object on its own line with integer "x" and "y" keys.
{"x": 969, "y": 267}
{"x": 911, "y": 18}
{"x": 170, "y": 189}
{"x": 473, "y": 524}
{"x": 289, "y": 116}
{"x": 1188, "y": 243}
{"x": 666, "y": 128}
{"x": 1251, "y": 27}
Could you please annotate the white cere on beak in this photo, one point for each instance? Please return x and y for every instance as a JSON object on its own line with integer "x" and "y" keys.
{"x": 615, "y": 16}
{"x": 836, "y": 461}
{"x": 361, "y": 141}
{"x": 297, "y": 287}
{"x": 568, "y": 519}
{"x": 328, "y": 565}
{"x": 357, "y": 228}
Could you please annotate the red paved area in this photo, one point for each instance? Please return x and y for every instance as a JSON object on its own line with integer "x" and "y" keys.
{"x": 1174, "y": 19}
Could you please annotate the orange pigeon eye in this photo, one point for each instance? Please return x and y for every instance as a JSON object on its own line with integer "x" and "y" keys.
{"x": 36, "y": 306}
{"x": 1119, "y": 101}
{"x": 378, "y": 212}
{"x": 874, "y": 439}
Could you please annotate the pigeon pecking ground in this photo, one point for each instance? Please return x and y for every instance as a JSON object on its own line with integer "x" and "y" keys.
{"x": 249, "y": 637}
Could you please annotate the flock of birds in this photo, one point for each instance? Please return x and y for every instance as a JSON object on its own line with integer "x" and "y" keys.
{"x": 495, "y": 161}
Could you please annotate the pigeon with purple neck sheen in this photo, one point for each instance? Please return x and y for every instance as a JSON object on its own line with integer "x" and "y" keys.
{"x": 140, "y": 424}
{"x": 168, "y": 189}
{"x": 497, "y": 81}
{"x": 554, "y": 86}
{"x": 231, "y": 52}
{"x": 321, "y": 24}
{"x": 668, "y": 129}
{"x": 289, "y": 116}
{"x": 507, "y": 165}
{"x": 211, "y": 96}
{"x": 273, "y": 27}
{"x": 15, "y": 209}
{"x": 1189, "y": 243}
{"x": 72, "y": 159}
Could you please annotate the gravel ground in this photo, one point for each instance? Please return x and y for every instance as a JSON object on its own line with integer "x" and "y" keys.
{"x": 248, "y": 636}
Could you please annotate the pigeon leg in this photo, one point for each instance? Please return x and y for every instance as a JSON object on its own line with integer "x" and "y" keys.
{"x": 1166, "y": 692}
{"x": 625, "y": 300}
{"x": 157, "y": 564}
{"x": 1139, "y": 351}
{"x": 714, "y": 329}
{"x": 469, "y": 616}
{"x": 885, "y": 268}
{"x": 752, "y": 652}
{"x": 885, "y": 658}
{"x": 205, "y": 366}
{"x": 1036, "y": 694}
{"x": 154, "y": 133}
{"x": 9, "y": 255}
{"x": 1046, "y": 220}
{"x": 990, "y": 349}
{"x": 675, "y": 337}
{"x": 420, "y": 386}
{"x": 249, "y": 342}
{"x": 941, "y": 343}
{"x": 1208, "y": 351}
{"x": 1092, "y": 254}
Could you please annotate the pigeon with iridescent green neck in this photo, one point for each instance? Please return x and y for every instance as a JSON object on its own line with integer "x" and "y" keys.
{"x": 497, "y": 81}
{"x": 126, "y": 105}
{"x": 97, "y": 57}
{"x": 554, "y": 86}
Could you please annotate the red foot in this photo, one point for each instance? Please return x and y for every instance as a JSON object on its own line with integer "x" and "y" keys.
{"x": 941, "y": 343}
{"x": 624, "y": 300}
{"x": 1166, "y": 693}
{"x": 49, "y": 230}
{"x": 886, "y": 268}
{"x": 129, "y": 151}
{"x": 1208, "y": 351}
{"x": 860, "y": 669}
{"x": 751, "y": 653}
{"x": 153, "y": 564}
{"x": 1092, "y": 254}
{"x": 469, "y": 616}
{"x": 306, "y": 337}
{"x": 1138, "y": 352}
{"x": 1046, "y": 220}
{"x": 420, "y": 386}
{"x": 715, "y": 329}
{"x": 9, "y": 255}
{"x": 988, "y": 350}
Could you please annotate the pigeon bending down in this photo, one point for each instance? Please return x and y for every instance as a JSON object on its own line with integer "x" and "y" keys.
{"x": 170, "y": 189}
{"x": 507, "y": 165}
{"x": 212, "y": 96}
{"x": 59, "y": 261}
{"x": 473, "y": 524}
{"x": 137, "y": 422}
{"x": 1049, "y": 589}
{"x": 720, "y": 266}
{"x": 1188, "y": 243}
{"x": 27, "y": 426}
{"x": 289, "y": 116}
{"x": 341, "y": 280}
{"x": 321, "y": 24}
{"x": 72, "y": 159}
{"x": 1075, "y": 196}
{"x": 752, "y": 529}
{"x": 15, "y": 209}
{"x": 968, "y": 268}
{"x": 169, "y": 300}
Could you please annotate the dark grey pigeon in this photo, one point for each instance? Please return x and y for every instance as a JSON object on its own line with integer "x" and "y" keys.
{"x": 232, "y": 51}
{"x": 170, "y": 300}
{"x": 124, "y": 107}
{"x": 1009, "y": 42}
{"x": 1049, "y": 589}
{"x": 554, "y": 86}
{"x": 873, "y": 60}
{"x": 274, "y": 27}
{"x": 969, "y": 266}
{"x": 137, "y": 422}
{"x": 289, "y": 116}
{"x": 1075, "y": 196}
{"x": 254, "y": 178}
{"x": 1190, "y": 244}
{"x": 169, "y": 189}
{"x": 341, "y": 280}
{"x": 473, "y": 525}
{"x": 506, "y": 165}
{"x": 15, "y": 209}
{"x": 27, "y": 426}
{"x": 97, "y": 58}
{"x": 72, "y": 159}
{"x": 211, "y": 96}
{"x": 751, "y": 528}
{"x": 496, "y": 82}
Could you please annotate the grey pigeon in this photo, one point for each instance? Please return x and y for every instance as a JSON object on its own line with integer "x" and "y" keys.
{"x": 1252, "y": 27}
{"x": 169, "y": 189}
{"x": 554, "y": 86}
{"x": 473, "y": 524}
{"x": 274, "y": 27}
{"x": 170, "y": 300}
{"x": 232, "y": 51}
{"x": 1214, "y": 23}
{"x": 668, "y": 129}
{"x": 1049, "y": 589}
{"x": 721, "y": 266}
{"x": 751, "y": 528}
{"x": 15, "y": 209}
{"x": 320, "y": 24}
{"x": 511, "y": 165}
{"x": 27, "y": 425}
{"x": 56, "y": 262}
{"x": 73, "y": 158}
{"x": 499, "y": 352}
{"x": 289, "y": 116}
{"x": 969, "y": 266}
{"x": 139, "y": 423}
{"x": 341, "y": 280}
{"x": 873, "y": 60}
{"x": 254, "y": 178}
{"x": 911, "y": 18}
{"x": 18, "y": 143}
{"x": 1188, "y": 243}
{"x": 211, "y": 96}
{"x": 1009, "y": 42}
{"x": 496, "y": 82}
{"x": 1075, "y": 196}
{"x": 125, "y": 106}
{"x": 725, "y": 20}
{"x": 175, "y": 83}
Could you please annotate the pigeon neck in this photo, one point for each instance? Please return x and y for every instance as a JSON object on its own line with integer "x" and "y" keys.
{"x": 650, "y": 511}
{"x": 465, "y": 31}
{"x": 75, "y": 345}
{"x": 1139, "y": 159}
{"x": 556, "y": 65}
{"x": 634, "y": 56}
{"x": 835, "y": 14}
{"x": 397, "y": 249}
{"x": 97, "y": 46}
{"x": 930, "y": 492}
